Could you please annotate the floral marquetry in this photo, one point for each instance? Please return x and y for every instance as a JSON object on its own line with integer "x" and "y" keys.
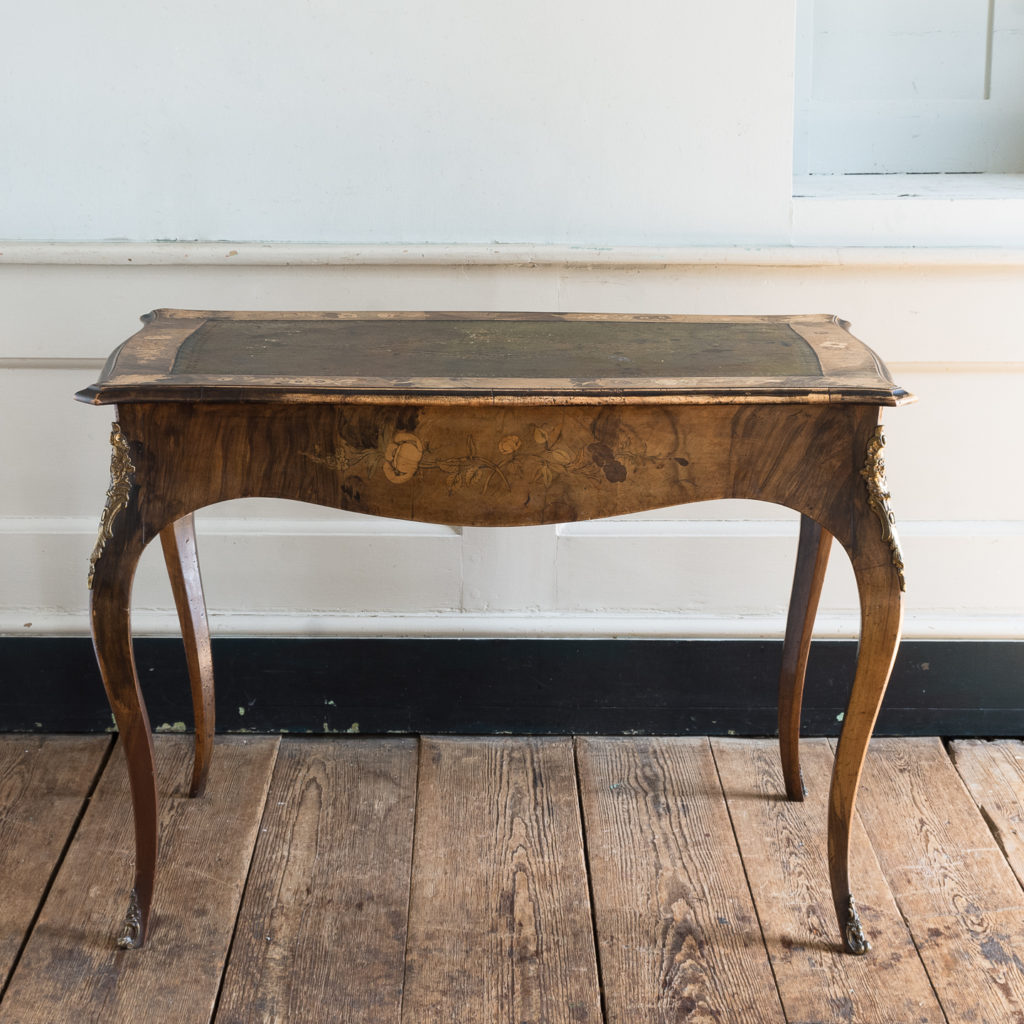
{"x": 519, "y": 457}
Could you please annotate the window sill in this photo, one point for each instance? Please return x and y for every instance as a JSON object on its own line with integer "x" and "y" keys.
{"x": 909, "y": 209}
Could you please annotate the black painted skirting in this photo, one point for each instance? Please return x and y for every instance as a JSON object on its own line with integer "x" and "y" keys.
{"x": 717, "y": 687}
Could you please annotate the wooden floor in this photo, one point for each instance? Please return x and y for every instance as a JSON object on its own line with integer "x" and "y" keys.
{"x": 512, "y": 880}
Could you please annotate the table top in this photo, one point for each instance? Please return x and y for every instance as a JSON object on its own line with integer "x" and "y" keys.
{"x": 492, "y": 358}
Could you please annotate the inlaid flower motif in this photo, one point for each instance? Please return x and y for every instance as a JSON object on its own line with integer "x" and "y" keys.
{"x": 402, "y": 455}
{"x": 536, "y": 454}
{"x": 604, "y": 458}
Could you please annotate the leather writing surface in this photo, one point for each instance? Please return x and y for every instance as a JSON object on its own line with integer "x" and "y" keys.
{"x": 404, "y": 350}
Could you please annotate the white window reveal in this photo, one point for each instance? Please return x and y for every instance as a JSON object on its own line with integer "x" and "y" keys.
{"x": 909, "y": 87}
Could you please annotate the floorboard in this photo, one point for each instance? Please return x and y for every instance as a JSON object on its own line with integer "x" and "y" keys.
{"x": 960, "y": 899}
{"x": 323, "y": 923}
{"x": 993, "y": 771}
{"x": 44, "y": 782}
{"x": 784, "y": 851}
{"x": 499, "y": 925}
{"x": 677, "y": 932}
{"x": 71, "y": 969}
{"x": 452, "y": 880}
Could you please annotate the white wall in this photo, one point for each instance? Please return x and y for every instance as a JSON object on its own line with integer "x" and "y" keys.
{"x": 644, "y": 137}
{"x": 397, "y": 120}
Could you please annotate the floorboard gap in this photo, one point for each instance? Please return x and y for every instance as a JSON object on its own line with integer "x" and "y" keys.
{"x": 412, "y": 864}
{"x": 746, "y": 878}
{"x": 590, "y": 880}
{"x": 241, "y": 898}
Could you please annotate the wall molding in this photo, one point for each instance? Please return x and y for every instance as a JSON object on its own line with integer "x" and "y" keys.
{"x": 326, "y": 254}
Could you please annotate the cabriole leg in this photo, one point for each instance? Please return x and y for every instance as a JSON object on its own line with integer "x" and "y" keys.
{"x": 811, "y": 562}
{"x": 878, "y": 568}
{"x": 114, "y": 559}
{"x": 179, "y": 547}
{"x": 881, "y": 614}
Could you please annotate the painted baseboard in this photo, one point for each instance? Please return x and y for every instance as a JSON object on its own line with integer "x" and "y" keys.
{"x": 675, "y": 687}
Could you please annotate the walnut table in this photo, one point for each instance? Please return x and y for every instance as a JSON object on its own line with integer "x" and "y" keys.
{"x": 484, "y": 419}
